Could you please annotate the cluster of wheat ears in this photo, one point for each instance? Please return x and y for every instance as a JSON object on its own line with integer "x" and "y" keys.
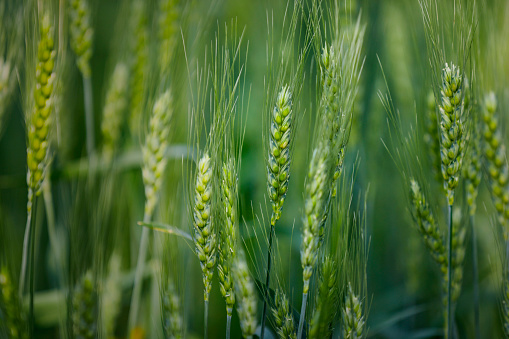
{"x": 100, "y": 257}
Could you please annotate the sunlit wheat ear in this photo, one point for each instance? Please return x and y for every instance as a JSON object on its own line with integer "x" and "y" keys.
{"x": 204, "y": 235}
{"x": 114, "y": 108}
{"x": 227, "y": 234}
{"x": 496, "y": 163}
{"x": 173, "y": 322}
{"x": 10, "y": 307}
{"x": 432, "y": 136}
{"x": 433, "y": 239}
{"x": 168, "y": 31}
{"x": 246, "y": 295}
{"x": 353, "y": 319}
{"x": 82, "y": 34}
{"x": 325, "y": 305}
{"x": 285, "y": 327}
{"x": 452, "y": 137}
{"x": 316, "y": 196}
{"x": 154, "y": 150}
{"x": 39, "y": 119}
{"x": 139, "y": 63}
{"x": 84, "y": 308}
{"x": 279, "y": 151}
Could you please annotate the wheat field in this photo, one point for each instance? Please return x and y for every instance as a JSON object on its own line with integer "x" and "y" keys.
{"x": 254, "y": 169}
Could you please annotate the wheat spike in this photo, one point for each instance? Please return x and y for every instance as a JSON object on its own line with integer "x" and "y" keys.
{"x": 82, "y": 34}
{"x": 173, "y": 323}
{"x": 114, "y": 108}
{"x": 353, "y": 319}
{"x": 154, "y": 150}
{"x": 279, "y": 151}
{"x": 452, "y": 138}
{"x": 84, "y": 308}
{"x": 227, "y": 243}
{"x": 10, "y": 307}
{"x": 204, "y": 233}
{"x": 285, "y": 327}
{"x": 246, "y": 295}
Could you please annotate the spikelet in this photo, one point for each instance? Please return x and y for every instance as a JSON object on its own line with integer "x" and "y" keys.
{"x": 40, "y": 117}
{"x": 246, "y": 295}
{"x": 168, "y": 32}
{"x": 227, "y": 243}
{"x": 82, "y": 34}
{"x": 173, "y": 323}
{"x": 452, "y": 138}
{"x": 325, "y": 305}
{"x": 495, "y": 156}
{"x": 316, "y": 197}
{"x": 204, "y": 233}
{"x": 10, "y": 307}
{"x": 353, "y": 319}
{"x": 278, "y": 169}
{"x": 285, "y": 327}
{"x": 433, "y": 239}
{"x": 432, "y": 136}
{"x": 84, "y": 308}
{"x": 139, "y": 63}
{"x": 114, "y": 108}
{"x": 154, "y": 150}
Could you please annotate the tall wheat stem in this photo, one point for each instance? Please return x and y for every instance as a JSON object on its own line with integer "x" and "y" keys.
{"x": 228, "y": 326}
{"x": 302, "y": 315}
{"x": 140, "y": 267}
{"x": 267, "y": 280}
{"x": 449, "y": 278}
{"x": 206, "y": 319}
{"x": 476, "y": 279}
{"x": 89, "y": 114}
{"x": 31, "y": 276}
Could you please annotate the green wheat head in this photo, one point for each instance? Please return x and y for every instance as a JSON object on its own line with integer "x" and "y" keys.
{"x": 82, "y": 34}
{"x": 284, "y": 324}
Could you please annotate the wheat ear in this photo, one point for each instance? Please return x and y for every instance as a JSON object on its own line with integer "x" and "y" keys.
{"x": 353, "y": 319}
{"x": 10, "y": 307}
{"x": 285, "y": 327}
{"x": 316, "y": 198}
{"x": 154, "y": 166}
{"x": 82, "y": 35}
{"x": 114, "y": 108}
{"x": 325, "y": 305}
{"x": 168, "y": 32}
{"x": 84, "y": 308}
{"x": 227, "y": 236}
{"x": 246, "y": 295}
{"x": 173, "y": 323}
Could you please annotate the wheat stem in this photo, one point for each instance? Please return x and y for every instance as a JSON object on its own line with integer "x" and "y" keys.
{"x": 476, "y": 279}
{"x": 140, "y": 268}
{"x": 228, "y": 326}
{"x": 206, "y": 319}
{"x": 449, "y": 277}
{"x": 26, "y": 243}
{"x": 89, "y": 114}
{"x": 302, "y": 315}
{"x": 267, "y": 280}
{"x": 31, "y": 277}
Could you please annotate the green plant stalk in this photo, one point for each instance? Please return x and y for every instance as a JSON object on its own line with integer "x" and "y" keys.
{"x": 31, "y": 277}
{"x": 228, "y": 326}
{"x": 89, "y": 114}
{"x": 302, "y": 315}
{"x": 449, "y": 278}
{"x": 267, "y": 280}
{"x": 138, "y": 277}
{"x": 206, "y": 318}
{"x": 26, "y": 246}
{"x": 476, "y": 280}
